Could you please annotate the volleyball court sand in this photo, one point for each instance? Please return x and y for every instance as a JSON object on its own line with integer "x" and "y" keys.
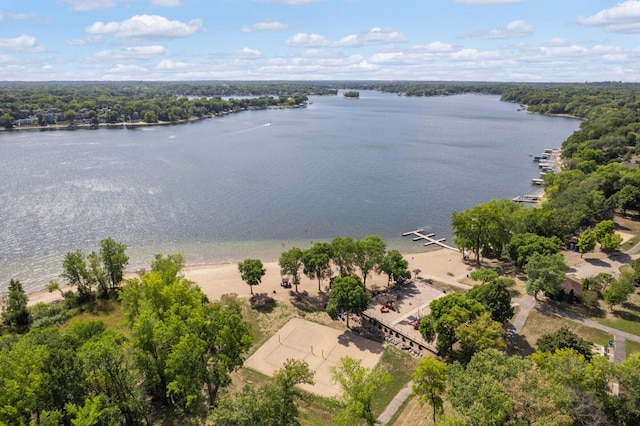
{"x": 320, "y": 346}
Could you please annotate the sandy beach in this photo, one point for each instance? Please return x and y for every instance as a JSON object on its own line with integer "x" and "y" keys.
{"x": 216, "y": 280}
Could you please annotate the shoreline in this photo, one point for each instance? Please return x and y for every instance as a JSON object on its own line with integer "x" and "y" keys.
{"x": 139, "y": 123}
{"x": 217, "y": 279}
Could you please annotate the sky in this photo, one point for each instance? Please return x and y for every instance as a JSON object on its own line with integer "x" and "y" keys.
{"x": 452, "y": 40}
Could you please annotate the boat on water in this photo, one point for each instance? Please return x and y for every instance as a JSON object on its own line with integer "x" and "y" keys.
{"x": 537, "y": 181}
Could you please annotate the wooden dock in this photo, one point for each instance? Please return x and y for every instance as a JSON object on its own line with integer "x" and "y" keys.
{"x": 418, "y": 236}
{"x": 527, "y": 198}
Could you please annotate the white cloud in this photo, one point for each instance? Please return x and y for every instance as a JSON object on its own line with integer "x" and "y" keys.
{"x": 94, "y": 40}
{"x": 19, "y": 44}
{"x": 373, "y": 36}
{"x": 268, "y": 25}
{"x": 436, "y": 46}
{"x": 488, "y": 1}
{"x": 473, "y": 54}
{"x": 320, "y": 53}
{"x": 621, "y": 18}
{"x": 247, "y": 53}
{"x": 167, "y": 3}
{"x": 132, "y": 53}
{"x": 86, "y": 5}
{"x": 513, "y": 29}
{"x": 307, "y": 40}
{"x": 291, "y": 1}
{"x": 126, "y": 69}
{"x": 147, "y": 27}
{"x": 169, "y": 65}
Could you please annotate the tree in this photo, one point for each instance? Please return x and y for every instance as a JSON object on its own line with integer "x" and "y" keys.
{"x": 316, "y": 262}
{"x": 252, "y": 271}
{"x": 429, "y": 383}
{"x": 628, "y": 374}
{"x": 76, "y": 272}
{"x": 169, "y": 267}
{"x": 521, "y": 246}
{"x": 564, "y": 339}
{"x": 545, "y": 273}
{"x": 15, "y": 313}
{"x": 477, "y": 392}
{"x": 114, "y": 260}
{"x": 446, "y": 315}
{"x": 182, "y": 342}
{"x": 7, "y": 121}
{"x": 343, "y": 254}
{"x": 628, "y": 198}
{"x": 484, "y": 275}
{"x": 368, "y": 254}
{"x": 610, "y": 242}
{"x": 483, "y": 333}
{"x": 496, "y": 298}
{"x": 108, "y": 364}
{"x": 290, "y": 263}
{"x": 359, "y": 385}
{"x": 282, "y": 393}
{"x": 348, "y": 295}
{"x": 620, "y": 290}
{"x": 605, "y": 227}
{"x": 395, "y": 266}
{"x": 587, "y": 241}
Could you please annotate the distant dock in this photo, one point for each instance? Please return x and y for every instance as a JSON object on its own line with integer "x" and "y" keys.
{"x": 527, "y": 198}
{"x": 418, "y": 236}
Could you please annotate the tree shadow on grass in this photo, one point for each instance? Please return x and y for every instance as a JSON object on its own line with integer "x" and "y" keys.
{"x": 102, "y": 306}
{"x": 307, "y": 303}
{"x": 262, "y": 303}
{"x": 351, "y": 338}
{"x": 516, "y": 343}
{"x": 626, "y": 315}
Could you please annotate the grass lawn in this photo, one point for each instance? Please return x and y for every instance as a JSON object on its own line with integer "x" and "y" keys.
{"x": 110, "y": 312}
{"x": 631, "y": 225}
{"x": 625, "y": 317}
{"x": 632, "y": 347}
{"x": 400, "y": 365}
{"x": 539, "y": 323}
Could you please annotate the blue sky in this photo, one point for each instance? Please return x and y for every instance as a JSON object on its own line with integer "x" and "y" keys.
{"x": 464, "y": 40}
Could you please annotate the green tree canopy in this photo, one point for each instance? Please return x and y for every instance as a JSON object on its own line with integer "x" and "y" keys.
{"x": 395, "y": 266}
{"x": 348, "y": 295}
{"x": 252, "y": 271}
{"x": 290, "y": 263}
{"x": 368, "y": 254}
{"x": 359, "y": 385}
{"x": 545, "y": 273}
{"x": 316, "y": 262}
{"x": 429, "y": 383}
{"x": 495, "y": 297}
{"x": 563, "y": 339}
{"x": 15, "y": 313}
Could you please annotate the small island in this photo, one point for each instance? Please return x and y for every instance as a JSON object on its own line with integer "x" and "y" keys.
{"x": 351, "y": 94}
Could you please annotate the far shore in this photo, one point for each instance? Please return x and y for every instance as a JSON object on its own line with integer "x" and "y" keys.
{"x": 217, "y": 279}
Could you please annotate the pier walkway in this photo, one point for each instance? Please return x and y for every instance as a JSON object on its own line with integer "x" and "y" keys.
{"x": 418, "y": 235}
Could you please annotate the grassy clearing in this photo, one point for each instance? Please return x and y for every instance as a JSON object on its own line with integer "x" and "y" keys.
{"x": 400, "y": 365}
{"x": 632, "y": 347}
{"x": 625, "y": 317}
{"x": 631, "y": 225}
{"x": 539, "y": 324}
{"x": 110, "y": 312}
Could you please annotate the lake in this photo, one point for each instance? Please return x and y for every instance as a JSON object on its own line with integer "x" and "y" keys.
{"x": 255, "y": 183}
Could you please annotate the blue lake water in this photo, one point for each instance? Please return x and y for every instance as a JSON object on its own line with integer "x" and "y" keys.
{"x": 256, "y": 183}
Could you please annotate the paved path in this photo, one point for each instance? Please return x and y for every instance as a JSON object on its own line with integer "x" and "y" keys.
{"x": 395, "y": 404}
{"x": 620, "y": 337}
